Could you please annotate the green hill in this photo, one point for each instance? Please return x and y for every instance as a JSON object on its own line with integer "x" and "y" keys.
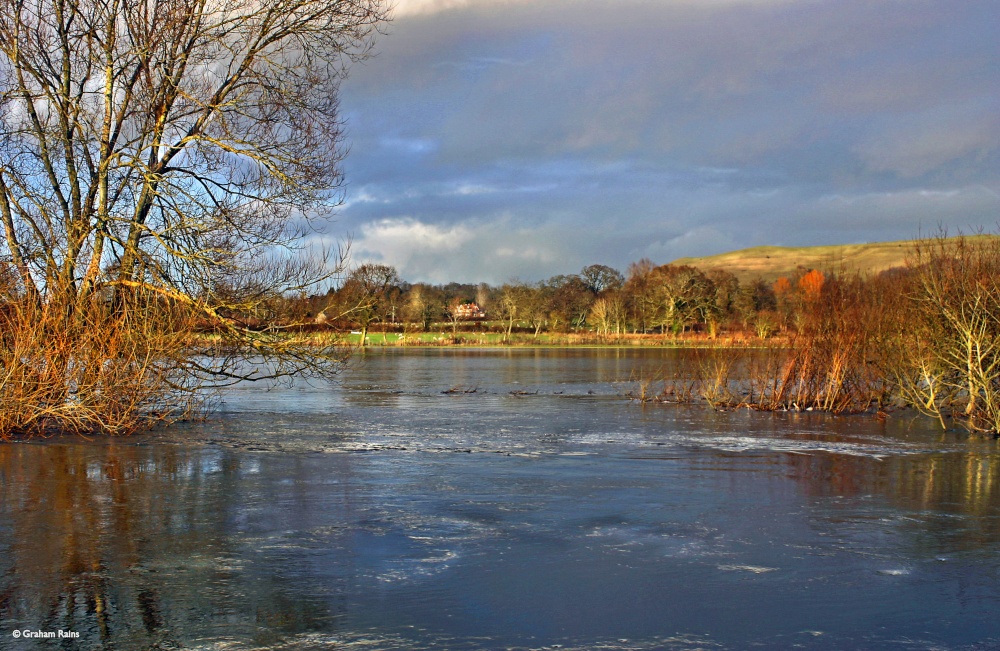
{"x": 770, "y": 262}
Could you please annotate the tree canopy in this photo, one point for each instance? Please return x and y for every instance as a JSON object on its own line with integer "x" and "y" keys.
{"x": 174, "y": 150}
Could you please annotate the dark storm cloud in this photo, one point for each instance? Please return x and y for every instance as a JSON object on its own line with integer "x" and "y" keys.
{"x": 500, "y": 139}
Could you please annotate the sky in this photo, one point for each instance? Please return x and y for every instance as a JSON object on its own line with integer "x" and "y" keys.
{"x": 493, "y": 140}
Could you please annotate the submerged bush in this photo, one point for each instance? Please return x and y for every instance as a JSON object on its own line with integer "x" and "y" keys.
{"x": 926, "y": 336}
{"x": 97, "y": 367}
{"x": 948, "y": 361}
{"x": 122, "y": 361}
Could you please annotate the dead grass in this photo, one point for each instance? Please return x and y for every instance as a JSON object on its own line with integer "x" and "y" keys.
{"x": 771, "y": 262}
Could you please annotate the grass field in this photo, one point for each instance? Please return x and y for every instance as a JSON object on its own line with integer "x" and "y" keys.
{"x": 438, "y": 338}
{"x": 491, "y": 339}
{"x": 770, "y": 262}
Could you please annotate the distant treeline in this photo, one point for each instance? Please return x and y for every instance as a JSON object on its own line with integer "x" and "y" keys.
{"x": 664, "y": 299}
{"x": 925, "y": 335}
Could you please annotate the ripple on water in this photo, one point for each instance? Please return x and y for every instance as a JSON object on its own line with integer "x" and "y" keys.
{"x": 423, "y": 640}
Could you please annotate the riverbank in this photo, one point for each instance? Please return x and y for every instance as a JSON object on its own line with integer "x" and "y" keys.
{"x": 542, "y": 340}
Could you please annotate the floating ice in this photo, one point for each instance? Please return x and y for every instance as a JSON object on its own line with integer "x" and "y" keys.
{"x": 894, "y": 572}
{"x": 755, "y": 569}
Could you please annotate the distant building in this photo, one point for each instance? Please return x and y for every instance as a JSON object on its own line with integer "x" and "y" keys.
{"x": 467, "y": 311}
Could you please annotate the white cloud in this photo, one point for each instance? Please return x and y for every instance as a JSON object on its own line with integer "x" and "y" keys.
{"x": 412, "y": 234}
{"x": 471, "y": 189}
{"x": 543, "y": 136}
{"x": 492, "y": 250}
{"x": 424, "y": 7}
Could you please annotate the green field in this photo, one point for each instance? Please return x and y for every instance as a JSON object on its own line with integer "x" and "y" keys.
{"x": 522, "y": 339}
{"x": 433, "y": 338}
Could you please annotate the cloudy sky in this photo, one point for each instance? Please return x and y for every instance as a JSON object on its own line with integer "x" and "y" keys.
{"x": 499, "y": 139}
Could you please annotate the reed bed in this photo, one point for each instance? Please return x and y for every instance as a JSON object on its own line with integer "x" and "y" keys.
{"x": 832, "y": 364}
{"x": 926, "y": 337}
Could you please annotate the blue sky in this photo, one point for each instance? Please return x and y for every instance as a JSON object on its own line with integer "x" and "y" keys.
{"x": 500, "y": 139}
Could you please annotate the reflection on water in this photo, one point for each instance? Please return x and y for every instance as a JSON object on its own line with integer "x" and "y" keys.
{"x": 533, "y": 508}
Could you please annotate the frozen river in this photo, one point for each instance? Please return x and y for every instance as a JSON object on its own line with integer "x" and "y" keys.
{"x": 502, "y": 499}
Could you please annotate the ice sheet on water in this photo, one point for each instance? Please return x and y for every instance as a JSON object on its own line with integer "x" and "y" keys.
{"x": 692, "y": 543}
{"x": 895, "y": 571}
{"x": 753, "y": 569}
{"x": 747, "y": 443}
{"x": 609, "y": 438}
{"x": 421, "y": 640}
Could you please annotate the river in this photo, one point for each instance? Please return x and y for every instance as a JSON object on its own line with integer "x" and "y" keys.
{"x": 501, "y": 499}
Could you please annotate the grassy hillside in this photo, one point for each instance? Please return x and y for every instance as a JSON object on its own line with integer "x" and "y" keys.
{"x": 770, "y": 262}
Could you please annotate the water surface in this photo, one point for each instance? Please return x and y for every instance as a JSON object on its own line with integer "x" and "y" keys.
{"x": 474, "y": 499}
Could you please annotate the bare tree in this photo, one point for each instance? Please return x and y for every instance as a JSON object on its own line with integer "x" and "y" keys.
{"x": 367, "y": 294}
{"x": 508, "y": 305}
{"x": 683, "y": 293}
{"x": 949, "y": 357}
{"x": 640, "y": 291}
{"x": 453, "y": 312}
{"x": 177, "y": 151}
{"x": 424, "y": 305}
{"x": 569, "y": 303}
{"x": 601, "y": 278}
{"x": 608, "y": 314}
{"x": 726, "y": 287}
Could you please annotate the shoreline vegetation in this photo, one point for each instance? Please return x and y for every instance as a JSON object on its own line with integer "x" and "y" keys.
{"x": 162, "y": 165}
{"x": 923, "y": 336}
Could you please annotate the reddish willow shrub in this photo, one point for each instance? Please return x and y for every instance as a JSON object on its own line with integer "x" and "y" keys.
{"x": 102, "y": 367}
{"x": 926, "y": 336}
